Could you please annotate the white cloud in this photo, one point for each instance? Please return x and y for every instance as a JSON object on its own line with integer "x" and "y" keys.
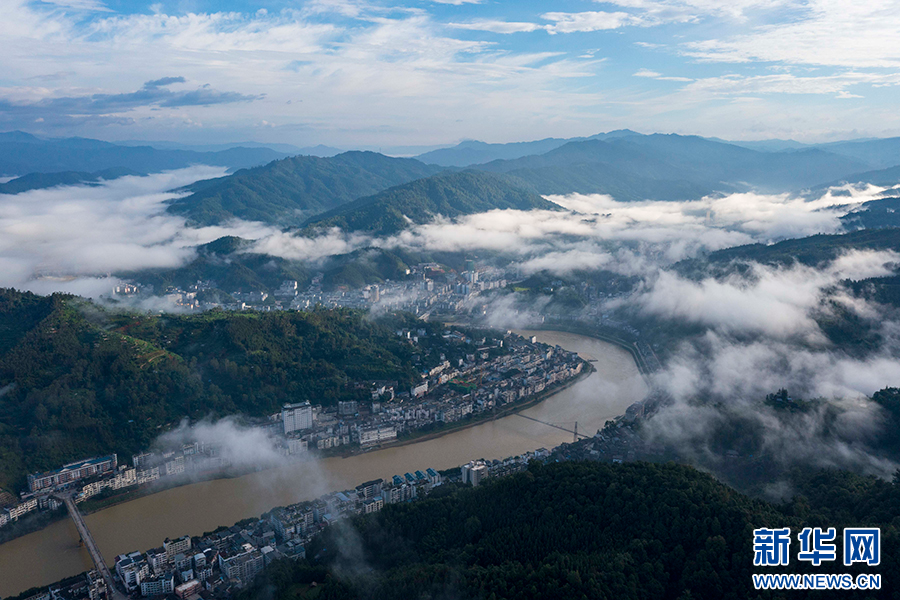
{"x": 498, "y": 26}
{"x": 778, "y": 302}
{"x": 822, "y": 32}
{"x": 717, "y": 381}
{"x": 90, "y": 5}
{"x": 314, "y": 74}
{"x": 654, "y": 75}
{"x": 589, "y": 21}
{"x": 786, "y": 83}
{"x": 70, "y": 238}
{"x": 680, "y": 11}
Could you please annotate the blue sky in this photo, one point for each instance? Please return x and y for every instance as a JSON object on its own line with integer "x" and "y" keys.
{"x": 418, "y": 72}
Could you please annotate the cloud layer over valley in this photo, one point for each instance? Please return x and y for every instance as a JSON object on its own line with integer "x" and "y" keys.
{"x": 72, "y": 238}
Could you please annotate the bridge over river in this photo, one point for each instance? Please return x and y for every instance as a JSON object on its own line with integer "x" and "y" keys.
{"x": 113, "y": 592}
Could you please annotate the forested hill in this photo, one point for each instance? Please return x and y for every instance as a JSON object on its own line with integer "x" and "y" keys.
{"x": 289, "y": 191}
{"x": 78, "y": 380}
{"x": 812, "y": 250}
{"x": 448, "y": 194}
{"x": 583, "y": 530}
{"x": 232, "y": 264}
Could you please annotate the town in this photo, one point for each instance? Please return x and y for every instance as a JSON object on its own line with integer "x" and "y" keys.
{"x": 218, "y": 564}
{"x": 506, "y": 371}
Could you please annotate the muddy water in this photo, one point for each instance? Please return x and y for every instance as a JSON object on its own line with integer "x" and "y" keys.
{"x": 53, "y": 553}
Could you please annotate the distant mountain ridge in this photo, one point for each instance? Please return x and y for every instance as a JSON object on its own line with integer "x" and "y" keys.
{"x": 646, "y": 166}
{"x": 290, "y": 149}
{"x": 624, "y": 164}
{"x": 22, "y": 153}
{"x": 472, "y": 152}
{"x": 38, "y": 181}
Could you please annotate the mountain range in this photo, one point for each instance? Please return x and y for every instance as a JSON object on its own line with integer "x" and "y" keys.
{"x": 623, "y": 164}
{"x": 22, "y": 153}
{"x": 358, "y": 190}
{"x": 39, "y": 181}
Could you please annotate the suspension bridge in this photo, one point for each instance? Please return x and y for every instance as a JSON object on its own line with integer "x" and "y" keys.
{"x": 562, "y": 426}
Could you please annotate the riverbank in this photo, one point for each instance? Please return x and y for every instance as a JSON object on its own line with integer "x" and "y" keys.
{"x": 510, "y": 409}
{"x": 30, "y": 523}
{"x": 102, "y": 502}
{"x": 94, "y": 505}
{"x": 601, "y": 394}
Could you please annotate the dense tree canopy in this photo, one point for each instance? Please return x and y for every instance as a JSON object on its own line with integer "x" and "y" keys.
{"x": 582, "y": 530}
{"x": 78, "y": 380}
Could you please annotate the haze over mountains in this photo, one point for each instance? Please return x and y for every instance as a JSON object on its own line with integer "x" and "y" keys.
{"x": 274, "y": 189}
{"x": 22, "y": 153}
{"x": 625, "y": 165}
{"x": 308, "y": 208}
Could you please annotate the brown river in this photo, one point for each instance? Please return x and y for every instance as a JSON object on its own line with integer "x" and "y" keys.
{"x": 53, "y": 553}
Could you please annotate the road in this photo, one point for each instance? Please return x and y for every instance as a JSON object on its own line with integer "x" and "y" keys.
{"x": 91, "y": 545}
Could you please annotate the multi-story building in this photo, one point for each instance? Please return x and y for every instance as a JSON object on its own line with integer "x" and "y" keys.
{"x": 132, "y": 570}
{"x": 96, "y": 586}
{"x": 174, "y": 466}
{"x": 14, "y": 512}
{"x": 474, "y": 472}
{"x": 369, "y": 489}
{"x": 376, "y": 435}
{"x": 186, "y": 589}
{"x": 158, "y": 560}
{"x": 297, "y": 417}
{"x": 373, "y": 505}
{"x": 242, "y": 564}
{"x": 158, "y": 585}
{"x": 71, "y": 472}
{"x": 291, "y": 521}
{"x": 175, "y": 547}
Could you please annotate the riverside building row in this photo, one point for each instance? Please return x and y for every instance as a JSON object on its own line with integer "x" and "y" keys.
{"x": 218, "y": 564}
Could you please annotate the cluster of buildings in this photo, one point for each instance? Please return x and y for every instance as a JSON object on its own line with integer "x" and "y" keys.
{"x": 186, "y": 567}
{"x": 490, "y": 373}
{"x": 219, "y": 563}
{"x": 474, "y": 472}
{"x": 497, "y": 372}
{"x": 299, "y": 523}
{"x": 620, "y": 440}
{"x": 89, "y": 586}
{"x": 427, "y": 288}
{"x": 92, "y": 473}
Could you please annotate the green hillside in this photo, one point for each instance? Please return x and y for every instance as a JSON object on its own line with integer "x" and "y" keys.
{"x": 812, "y": 250}
{"x": 582, "y": 530}
{"x": 79, "y": 381}
{"x": 229, "y": 263}
{"x": 289, "y": 191}
{"x": 449, "y": 195}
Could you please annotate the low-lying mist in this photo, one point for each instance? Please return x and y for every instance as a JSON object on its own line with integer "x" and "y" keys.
{"x": 71, "y": 238}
